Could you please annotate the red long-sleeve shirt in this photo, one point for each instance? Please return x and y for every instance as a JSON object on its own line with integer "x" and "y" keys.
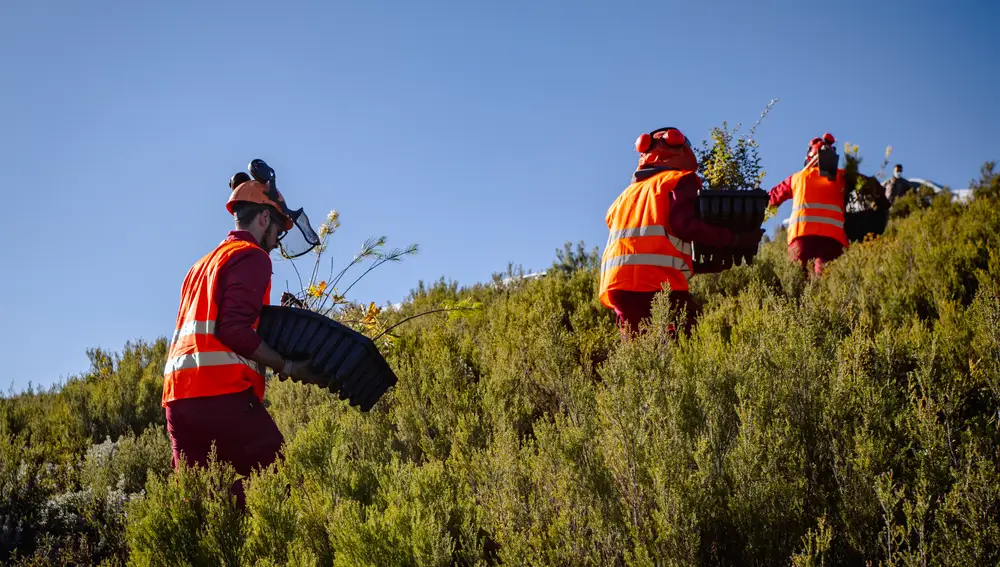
{"x": 684, "y": 220}
{"x": 239, "y": 294}
{"x": 781, "y": 193}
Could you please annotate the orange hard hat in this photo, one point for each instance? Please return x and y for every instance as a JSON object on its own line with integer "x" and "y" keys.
{"x": 253, "y": 191}
{"x": 262, "y": 189}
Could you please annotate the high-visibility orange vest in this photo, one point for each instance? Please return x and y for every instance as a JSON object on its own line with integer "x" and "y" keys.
{"x": 641, "y": 252}
{"x": 198, "y": 364}
{"x": 817, "y": 206}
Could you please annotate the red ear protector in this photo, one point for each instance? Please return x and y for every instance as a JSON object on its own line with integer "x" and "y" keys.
{"x": 827, "y": 139}
{"x": 672, "y": 136}
{"x": 816, "y": 144}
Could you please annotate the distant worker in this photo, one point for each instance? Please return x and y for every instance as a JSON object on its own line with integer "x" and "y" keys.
{"x": 897, "y": 185}
{"x": 816, "y": 227}
{"x": 213, "y": 382}
{"x": 652, "y": 225}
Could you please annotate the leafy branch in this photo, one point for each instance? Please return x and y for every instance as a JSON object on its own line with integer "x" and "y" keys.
{"x": 730, "y": 160}
{"x": 323, "y": 295}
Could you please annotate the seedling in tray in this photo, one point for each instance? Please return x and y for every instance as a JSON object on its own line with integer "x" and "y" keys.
{"x": 732, "y": 198}
{"x": 866, "y": 208}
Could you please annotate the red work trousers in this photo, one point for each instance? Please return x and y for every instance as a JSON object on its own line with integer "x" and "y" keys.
{"x": 244, "y": 434}
{"x": 804, "y": 249}
{"x": 631, "y": 307}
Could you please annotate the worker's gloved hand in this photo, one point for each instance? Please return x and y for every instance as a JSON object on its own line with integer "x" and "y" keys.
{"x": 300, "y": 370}
{"x": 748, "y": 238}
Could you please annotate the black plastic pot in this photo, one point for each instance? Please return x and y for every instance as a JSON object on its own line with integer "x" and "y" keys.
{"x": 861, "y": 223}
{"x": 347, "y": 362}
{"x": 709, "y": 259}
{"x": 733, "y": 210}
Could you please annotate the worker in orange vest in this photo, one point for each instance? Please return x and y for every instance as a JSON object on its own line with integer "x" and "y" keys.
{"x": 213, "y": 382}
{"x": 816, "y": 227}
{"x": 652, "y": 225}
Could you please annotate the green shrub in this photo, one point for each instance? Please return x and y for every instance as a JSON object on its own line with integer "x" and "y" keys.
{"x": 189, "y": 518}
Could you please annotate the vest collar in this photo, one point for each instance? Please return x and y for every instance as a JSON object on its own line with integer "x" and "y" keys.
{"x": 645, "y": 173}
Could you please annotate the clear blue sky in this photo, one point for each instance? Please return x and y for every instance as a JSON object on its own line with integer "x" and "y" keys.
{"x": 484, "y": 132}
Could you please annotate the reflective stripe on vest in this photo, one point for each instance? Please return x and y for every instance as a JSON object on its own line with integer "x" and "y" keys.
{"x": 822, "y": 220}
{"x": 655, "y": 230}
{"x": 662, "y": 260}
{"x": 681, "y": 246}
{"x": 820, "y": 206}
{"x": 200, "y": 359}
{"x": 194, "y": 328}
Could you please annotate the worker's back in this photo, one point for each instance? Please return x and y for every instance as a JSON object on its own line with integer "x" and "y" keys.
{"x": 641, "y": 253}
{"x": 817, "y": 206}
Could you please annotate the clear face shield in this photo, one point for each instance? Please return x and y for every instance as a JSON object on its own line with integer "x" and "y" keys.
{"x": 301, "y": 238}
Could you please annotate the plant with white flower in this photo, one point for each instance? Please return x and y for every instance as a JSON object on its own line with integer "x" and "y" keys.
{"x": 322, "y": 294}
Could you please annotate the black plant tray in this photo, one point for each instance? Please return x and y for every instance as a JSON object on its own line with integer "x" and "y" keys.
{"x": 861, "y": 223}
{"x": 348, "y": 362}
{"x": 707, "y": 259}
{"x": 736, "y": 211}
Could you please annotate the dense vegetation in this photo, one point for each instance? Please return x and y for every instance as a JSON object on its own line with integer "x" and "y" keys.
{"x": 847, "y": 420}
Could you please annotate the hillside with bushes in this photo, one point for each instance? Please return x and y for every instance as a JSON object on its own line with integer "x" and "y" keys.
{"x": 847, "y": 420}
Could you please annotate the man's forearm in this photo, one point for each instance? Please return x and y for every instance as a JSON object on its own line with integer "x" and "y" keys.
{"x": 267, "y": 356}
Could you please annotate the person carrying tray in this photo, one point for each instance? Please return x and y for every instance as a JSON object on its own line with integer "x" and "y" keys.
{"x": 651, "y": 227}
{"x": 213, "y": 379}
{"x": 816, "y": 227}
